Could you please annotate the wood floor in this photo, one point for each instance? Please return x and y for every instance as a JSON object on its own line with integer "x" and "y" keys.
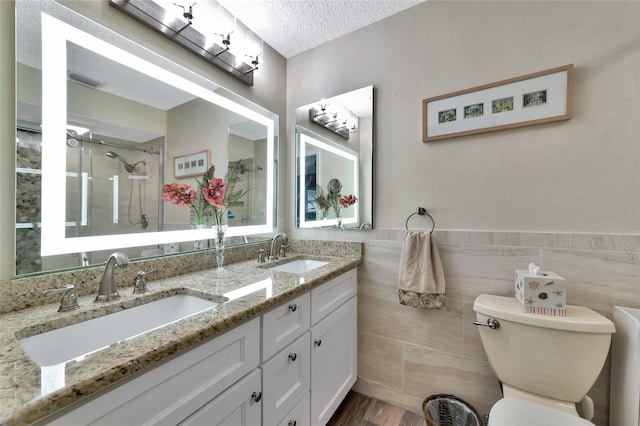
{"x": 361, "y": 410}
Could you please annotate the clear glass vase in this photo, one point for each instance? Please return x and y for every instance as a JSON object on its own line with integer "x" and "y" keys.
{"x": 199, "y": 244}
{"x": 218, "y": 241}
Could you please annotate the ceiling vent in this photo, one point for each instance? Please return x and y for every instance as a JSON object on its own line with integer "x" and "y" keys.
{"x": 86, "y": 81}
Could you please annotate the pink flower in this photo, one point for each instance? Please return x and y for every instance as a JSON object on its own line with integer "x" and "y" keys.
{"x": 178, "y": 193}
{"x": 347, "y": 200}
{"x": 214, "y": 193}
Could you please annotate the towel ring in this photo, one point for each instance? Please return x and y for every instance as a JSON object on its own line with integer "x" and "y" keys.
{"x": 421, "y": 211}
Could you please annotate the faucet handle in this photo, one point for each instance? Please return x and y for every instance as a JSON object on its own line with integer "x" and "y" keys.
{"x": 69, "y": 301}
{"x": 283, "y": 250}
{"x": 261, "y": 255}
{"x": 140, "y": 283}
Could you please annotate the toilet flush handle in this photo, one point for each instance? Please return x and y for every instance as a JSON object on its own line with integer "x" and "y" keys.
{"x": 492, "y": 323}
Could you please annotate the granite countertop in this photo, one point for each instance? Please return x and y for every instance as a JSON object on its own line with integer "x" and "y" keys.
{"x": 22, "y": 400}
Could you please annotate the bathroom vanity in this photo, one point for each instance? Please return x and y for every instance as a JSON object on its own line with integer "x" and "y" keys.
{"x": 279, "y": 348}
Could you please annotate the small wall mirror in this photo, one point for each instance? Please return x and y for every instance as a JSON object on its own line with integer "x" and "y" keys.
{"x": 103, "y": 124}
{"x": 334, "y": 162}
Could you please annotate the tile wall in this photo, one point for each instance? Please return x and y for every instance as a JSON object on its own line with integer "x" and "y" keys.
{"x": 407, "y": 354}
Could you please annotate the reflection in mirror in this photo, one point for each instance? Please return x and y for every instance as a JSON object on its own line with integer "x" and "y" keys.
{"x": 329, "y": 181}
{"x": 334, "y": 149}
{"x": 99, "y": 164}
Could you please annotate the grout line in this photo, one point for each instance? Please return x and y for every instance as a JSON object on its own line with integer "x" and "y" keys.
{"x": 540, "y": 257}
{"x": 402, "y": 368}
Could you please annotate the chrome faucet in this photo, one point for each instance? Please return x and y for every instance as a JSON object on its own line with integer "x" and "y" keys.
{"x": 272, "y": 251}
{"x": 108, "y": 290}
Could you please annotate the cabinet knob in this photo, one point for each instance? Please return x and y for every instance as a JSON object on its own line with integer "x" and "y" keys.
{"x": 292, "y": 423}
{"x": 293, "y": 307}
{"x": 293, "y": 356}
{"x": 256, "y": 396}
{"x": 317, "y": 342}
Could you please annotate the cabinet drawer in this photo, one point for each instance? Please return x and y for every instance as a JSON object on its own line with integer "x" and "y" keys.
{"x": 327, "y": 297}
{"x": 285, "y": 380}
{"x": 177, "y": 388}
{"x": 284, "y": 324}
{"x": 299, "y": 416}
{"x": 236, "y": 406}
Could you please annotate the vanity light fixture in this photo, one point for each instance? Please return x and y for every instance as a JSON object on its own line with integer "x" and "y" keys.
{"x": 187, "y": 13}
{"x": 254, "y": 62}
{"x": 323, "y": 111}
{"x": 342, "y": 123}
{"x": 226, "y": 42}
{"x": 170, "y": 23}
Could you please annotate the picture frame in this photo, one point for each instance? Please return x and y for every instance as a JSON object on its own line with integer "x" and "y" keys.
{"x": 537, "y": 98}
{"x": 195, "y": 164}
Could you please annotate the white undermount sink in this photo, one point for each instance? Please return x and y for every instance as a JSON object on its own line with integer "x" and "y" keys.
{"x": 74, "y": 341}
{"x": 300, "y": 266}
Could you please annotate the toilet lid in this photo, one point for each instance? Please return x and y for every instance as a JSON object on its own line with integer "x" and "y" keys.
{"x": 512, "y": 411}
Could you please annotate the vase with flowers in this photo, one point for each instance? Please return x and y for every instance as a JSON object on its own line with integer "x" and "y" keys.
{"x": 334, "y": 200}
{"x": 208, "y": 204}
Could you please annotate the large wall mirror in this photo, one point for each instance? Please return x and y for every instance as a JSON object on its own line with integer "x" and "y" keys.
{"x": 102, "y": 125}
{"x": 334, "y": 162}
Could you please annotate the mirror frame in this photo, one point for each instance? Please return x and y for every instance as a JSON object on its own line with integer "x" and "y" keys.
{"x": 54, "y": 76}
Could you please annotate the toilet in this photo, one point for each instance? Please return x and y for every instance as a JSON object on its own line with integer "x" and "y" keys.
{"x": 546, "y": 364}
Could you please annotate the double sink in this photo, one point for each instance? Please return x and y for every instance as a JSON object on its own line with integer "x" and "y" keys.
{"x": 76, "y": 341}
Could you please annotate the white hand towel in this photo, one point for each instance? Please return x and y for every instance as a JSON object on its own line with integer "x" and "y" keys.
{"x": 421, "y": 278}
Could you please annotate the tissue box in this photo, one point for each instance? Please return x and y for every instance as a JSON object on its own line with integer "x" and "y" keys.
{"x": 544, "y": 293}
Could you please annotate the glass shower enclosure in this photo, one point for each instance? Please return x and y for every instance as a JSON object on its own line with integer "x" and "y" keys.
{"x": 113, "y": 187}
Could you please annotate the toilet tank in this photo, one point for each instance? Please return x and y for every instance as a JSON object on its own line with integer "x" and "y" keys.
{"x": 556, "y": 357}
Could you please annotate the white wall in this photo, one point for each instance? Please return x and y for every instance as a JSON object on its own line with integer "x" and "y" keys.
{"x": 581, "y": 175}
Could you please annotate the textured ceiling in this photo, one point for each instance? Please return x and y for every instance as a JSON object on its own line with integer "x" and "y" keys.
{"x": 293, "y": 26}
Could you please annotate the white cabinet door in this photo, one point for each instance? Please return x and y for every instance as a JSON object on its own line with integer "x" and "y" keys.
{"x": 334, "y": 367}
{"x": 240, "y": 405}
{"x": 284, "y": 324}
{"x": 285, "y": 380}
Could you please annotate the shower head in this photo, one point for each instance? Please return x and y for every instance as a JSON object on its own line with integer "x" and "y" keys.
{"x": 130, "y": 168}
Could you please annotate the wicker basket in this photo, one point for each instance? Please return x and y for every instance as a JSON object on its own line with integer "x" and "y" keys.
{"x": 449, "y": 410}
